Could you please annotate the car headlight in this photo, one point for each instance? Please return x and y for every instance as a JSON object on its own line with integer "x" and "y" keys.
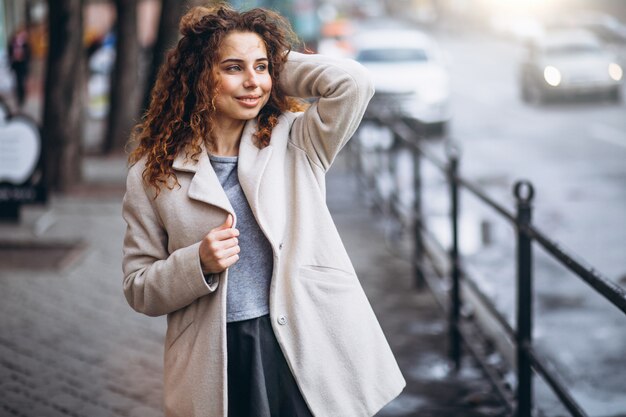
{"x": 552, "y": 75}
{"x": 615, "y": 71}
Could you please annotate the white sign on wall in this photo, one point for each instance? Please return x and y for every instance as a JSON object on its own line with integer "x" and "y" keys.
{"x": 21, "y": 172}
{"x": 20, "y": 148}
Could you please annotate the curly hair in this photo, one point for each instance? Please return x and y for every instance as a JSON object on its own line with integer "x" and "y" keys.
{"x": 182, "y": 110}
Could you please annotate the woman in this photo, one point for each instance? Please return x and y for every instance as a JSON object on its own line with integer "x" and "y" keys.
{"x": 19, "y": 57}
{"x": 229, "y": 234}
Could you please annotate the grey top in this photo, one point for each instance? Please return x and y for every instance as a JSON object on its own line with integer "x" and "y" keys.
{"x": 249, "y": 278}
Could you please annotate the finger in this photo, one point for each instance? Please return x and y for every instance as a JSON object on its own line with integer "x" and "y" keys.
{"x": 229, "y": 243}
{"x": 228, "y": 223}
{"x": 230, "y": 261}
{"x": 219, "y": 245}
{"x": 223, "y": 234}
{"x": 227, "y": 253}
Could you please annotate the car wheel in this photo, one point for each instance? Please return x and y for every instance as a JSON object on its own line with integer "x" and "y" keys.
{"x": 525, "y": 91}
{"x": 525, "y": 95}
{"x": 531, "y": 92}
{"x": 536, "y": 94}
{"x": 616, "y": 95}
{"x": 428, "y": 130}
{"x": 437, "y": 129}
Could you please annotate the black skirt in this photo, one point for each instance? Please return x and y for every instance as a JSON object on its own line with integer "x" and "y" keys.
{"x": 260, "y": 383}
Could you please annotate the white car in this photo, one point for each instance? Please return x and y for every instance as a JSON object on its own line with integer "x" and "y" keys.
{"x": 410, "y": 76}
{"x": 569, "y": 62}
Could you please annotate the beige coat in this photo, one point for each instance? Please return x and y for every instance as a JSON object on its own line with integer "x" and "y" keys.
{"x": 320, "y": 314}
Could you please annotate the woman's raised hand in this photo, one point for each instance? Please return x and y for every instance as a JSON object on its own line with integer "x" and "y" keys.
{"x": 220, "y": 248}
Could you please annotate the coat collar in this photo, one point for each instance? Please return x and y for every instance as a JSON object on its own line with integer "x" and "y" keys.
{"x": 205, "y": 185}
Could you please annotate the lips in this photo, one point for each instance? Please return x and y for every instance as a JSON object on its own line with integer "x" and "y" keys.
{"x": 250, "y": 97}
{"x": 249, "y": 100}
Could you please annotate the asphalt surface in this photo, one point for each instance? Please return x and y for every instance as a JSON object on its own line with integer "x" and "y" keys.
{"x": 71, "y": 346}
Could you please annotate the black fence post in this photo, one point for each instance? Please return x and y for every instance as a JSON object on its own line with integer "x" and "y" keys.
{"x": 455, "y": 293}
{"x": 418, "y": 216}
{"x": 524, "y": 193}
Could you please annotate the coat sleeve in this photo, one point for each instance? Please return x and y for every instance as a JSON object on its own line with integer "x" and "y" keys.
{"x": 342, "y": 89}
{"x": 156, "y": 282}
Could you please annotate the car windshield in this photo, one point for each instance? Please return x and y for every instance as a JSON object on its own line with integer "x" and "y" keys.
{"x": 392, "y": 55}
{"x": 572, "y": 49}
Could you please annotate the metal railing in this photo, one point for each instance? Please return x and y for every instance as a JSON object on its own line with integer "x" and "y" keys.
{"x": 519, "y": 402}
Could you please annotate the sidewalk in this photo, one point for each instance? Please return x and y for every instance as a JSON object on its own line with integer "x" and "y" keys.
{"x": 71, "y": 346}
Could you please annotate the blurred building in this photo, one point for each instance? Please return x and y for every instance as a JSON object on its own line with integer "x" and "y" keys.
{"x": 99, "y": 18}
{"x": 482, "y": 11}
{"x": 303, "y": 15}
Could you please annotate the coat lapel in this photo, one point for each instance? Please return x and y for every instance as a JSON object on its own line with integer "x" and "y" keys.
{"x": 253, "y": 176}
{"x": 252, "y": 164}
{"x": 258, "y": 184}
{"x": 205, "y": 186}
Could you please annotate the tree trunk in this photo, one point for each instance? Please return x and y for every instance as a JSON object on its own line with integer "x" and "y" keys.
{"x": 27, "y": 18}
{"x": 167, "y": 36}
{"x": 124, "y": 105}
{"x": 64, "y": 89}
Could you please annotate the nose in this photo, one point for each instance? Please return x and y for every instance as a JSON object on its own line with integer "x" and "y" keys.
{"x": 251, "y": 79}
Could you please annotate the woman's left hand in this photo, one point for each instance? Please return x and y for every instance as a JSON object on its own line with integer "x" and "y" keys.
{"x": 220, "y": 248}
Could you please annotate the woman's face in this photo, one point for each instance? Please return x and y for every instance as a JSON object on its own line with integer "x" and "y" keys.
{"x": 244, "y": 79}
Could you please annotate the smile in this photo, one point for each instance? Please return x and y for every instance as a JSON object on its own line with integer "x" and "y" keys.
{"x": 249, "y": 101}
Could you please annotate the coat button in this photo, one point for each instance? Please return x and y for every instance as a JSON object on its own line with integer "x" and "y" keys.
{"x": 282, "y": 320}
{"x": 280, "y": 246}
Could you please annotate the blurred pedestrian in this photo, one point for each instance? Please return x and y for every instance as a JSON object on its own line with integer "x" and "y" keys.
{"x": 19, "y": 58}
{"x": 229, "y": 235}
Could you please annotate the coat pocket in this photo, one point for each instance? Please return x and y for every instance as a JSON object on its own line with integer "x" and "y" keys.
{"x": 178, "y": 322}
{"x": 327, "y": 275}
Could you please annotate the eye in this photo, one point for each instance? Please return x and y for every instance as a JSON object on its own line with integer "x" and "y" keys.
{"x": 261, "y": 67}
{"x": 233, "y": 68}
